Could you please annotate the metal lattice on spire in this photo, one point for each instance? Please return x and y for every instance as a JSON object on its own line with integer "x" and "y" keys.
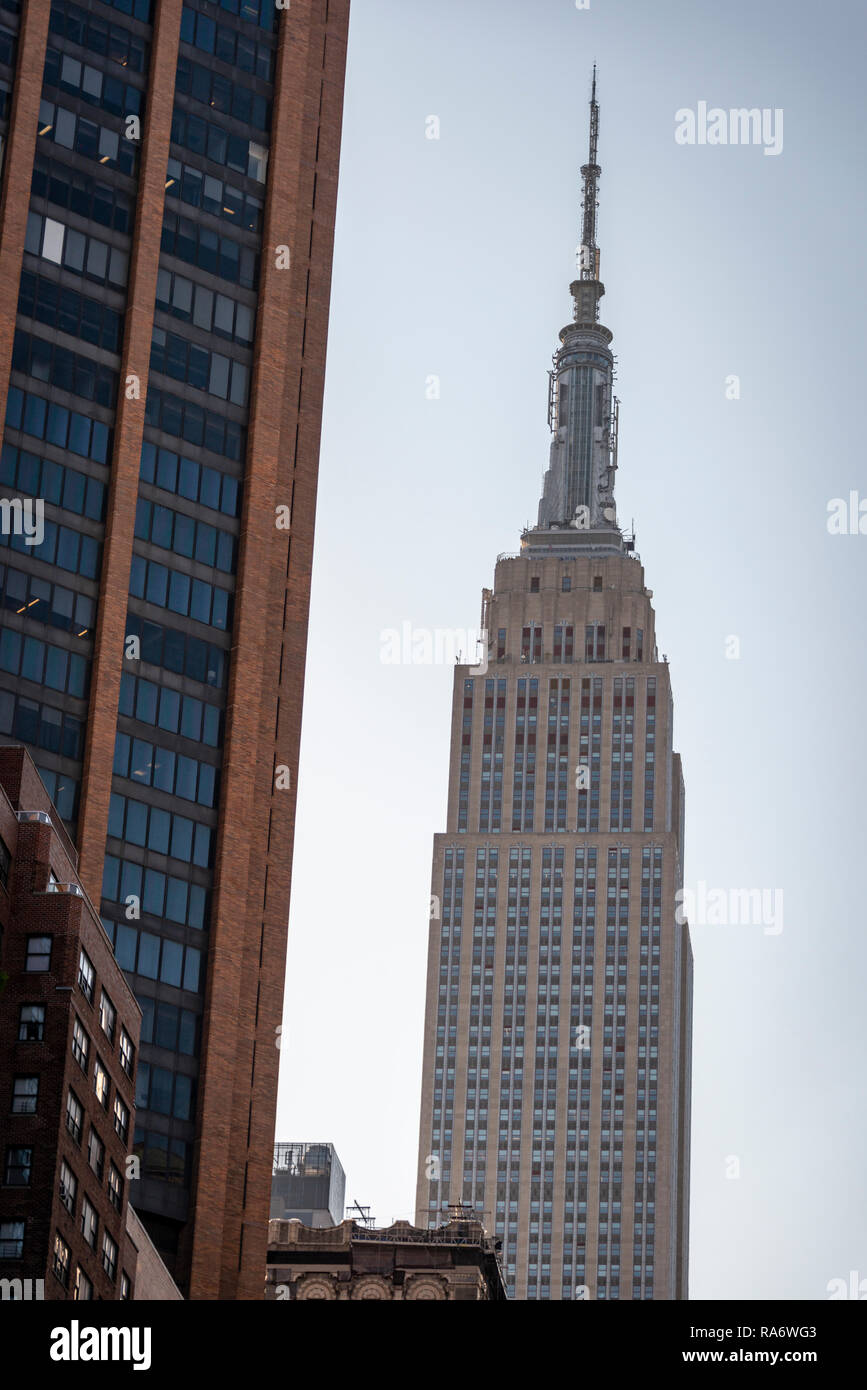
{"x": 590, "y": 173}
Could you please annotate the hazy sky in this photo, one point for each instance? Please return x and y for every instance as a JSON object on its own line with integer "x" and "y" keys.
{"x": 453, "y": 259}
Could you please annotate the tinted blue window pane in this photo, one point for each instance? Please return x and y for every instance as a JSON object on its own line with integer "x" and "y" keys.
{"x": 110, "y": 874}
{"x": 130, "y": 881}
{"x": 154, "y": 892}
{"x": 207, "y": 780}
{"x": 170, "y": 708}
{"x": 148, "y": 955}
{"x": 211, "y": 487}
{"x": 191, "y": 718}
{"x": 126, "y": 702}
{"x": 148, "y": 461}
{"x": 10, "y": 650}
{"x": 158, "y": 838}
{"x": 99, "y": 442}
{"x": 184, "y": 537}
{"x": 157, "y": 584}
{"x": 167, "y": 1026}
{"x": 211, "y": 726}
{"x": 79, "y": 434}
{"x": 220, "y": 614}
{"x": 170, "y": 968}
{"x": 142, "y": 761}
{"x": 164, "y": 769}
{"x": 77, "y": 679}
{"x": 196, "y": 914}
{"x": 88, "y": 564}
{"x": 202, "y": 849}
{"x": 124, "y": 949}
{"x": 116, "y": 807}
{"x": 187, "y": 1032}
{"x": 185, "y": 784}
{"x": 167, "y": 469}
{"x": 137, "y": 576}
{"x": 56, "y": 665}
{"x": 191, "y": 969}
{"x": 179, "y": 593}
{"x": 142, "y": 1083}
{"x": 176, "y": 900}
{"x": 121, "y": 755}
{"x": 183, "y": 1096}
{"x": 182, "y": 838}
{"x": 200, "y": 605}
{"x": 188, "y": 479}
{"x": 33, "y": 660}
{"x": 146, "y": 700}
{"x": 34, "y": 418}
{"x": 57, "y": 426}
{"x": 161, "y": 1087}
{"x": 136, "y": 822}
{"x": 14, "y": 407}
{"x": 147, "y": 1018}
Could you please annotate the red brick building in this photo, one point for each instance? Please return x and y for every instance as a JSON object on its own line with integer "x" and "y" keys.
{"x": 69, "y": 1034}
{"x": 169, "y": 186}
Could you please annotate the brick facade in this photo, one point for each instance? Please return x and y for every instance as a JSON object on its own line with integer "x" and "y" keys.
{"x": 38, "y": 848}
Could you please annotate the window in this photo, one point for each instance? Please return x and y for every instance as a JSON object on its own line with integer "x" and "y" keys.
{"x": 11, "y": 1240}
{"x": 109, "y": 1255}
{"x": 96, "y": 1153}
{"x": 24, "y": 1093}
{"x": 38, "y": 954}
{"x": 101, "y": 1083}
{"x": 127, "y": 1052}
{"x": 74, "y": 1116}
{"x": 80, "y": 1045}
{"x": 121, "y": 1118}
{"x": 86, "y": 976}
{"x": 68, "y": 1187}
{"x": 18, "y": 1165}
{"x": 115, "y": 1187}
{"x": 125, "y": 1285}
{"x": 534, "y": 584}
{"x": 60, "y": 1263}
{"x": 5, "y": 862}
{"x": 89, "y": 1222}
{"x": 566, "y": 584}
{"x": 597, "y": 583}
{"x": 107, "y": 1016}
{"x": 83, "y": 1290}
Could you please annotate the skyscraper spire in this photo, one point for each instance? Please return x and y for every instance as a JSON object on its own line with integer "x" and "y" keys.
{"x": 578, "y": 490}
{"x": 588, "y": 253}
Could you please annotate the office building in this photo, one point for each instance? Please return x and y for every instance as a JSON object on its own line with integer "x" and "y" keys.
{"x": 168, "y": 197}
{"x": 308, "y": 1184}
{"x": 556, "y": 1082}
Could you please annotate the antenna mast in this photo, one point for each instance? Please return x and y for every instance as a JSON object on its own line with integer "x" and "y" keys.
{"x": 590, "y": 173}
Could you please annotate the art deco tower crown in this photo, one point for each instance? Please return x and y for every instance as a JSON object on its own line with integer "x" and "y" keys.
{"x": 578, "y": 489}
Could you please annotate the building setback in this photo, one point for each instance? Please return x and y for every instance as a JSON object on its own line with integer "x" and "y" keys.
{"x": 69, "y": 1034}
{"x": 455, "y": 1262}
{"x": 166, "y": 223}
{"x": 556, "y": 1081}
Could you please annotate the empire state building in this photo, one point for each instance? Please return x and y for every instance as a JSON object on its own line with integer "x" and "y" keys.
{"x": 557, "y": 1047}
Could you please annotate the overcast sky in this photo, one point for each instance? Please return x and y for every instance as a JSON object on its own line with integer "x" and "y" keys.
{"x": 453, "y": 259}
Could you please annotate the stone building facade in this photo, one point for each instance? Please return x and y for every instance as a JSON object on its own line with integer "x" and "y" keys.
{"x": 456, "y": 1261}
